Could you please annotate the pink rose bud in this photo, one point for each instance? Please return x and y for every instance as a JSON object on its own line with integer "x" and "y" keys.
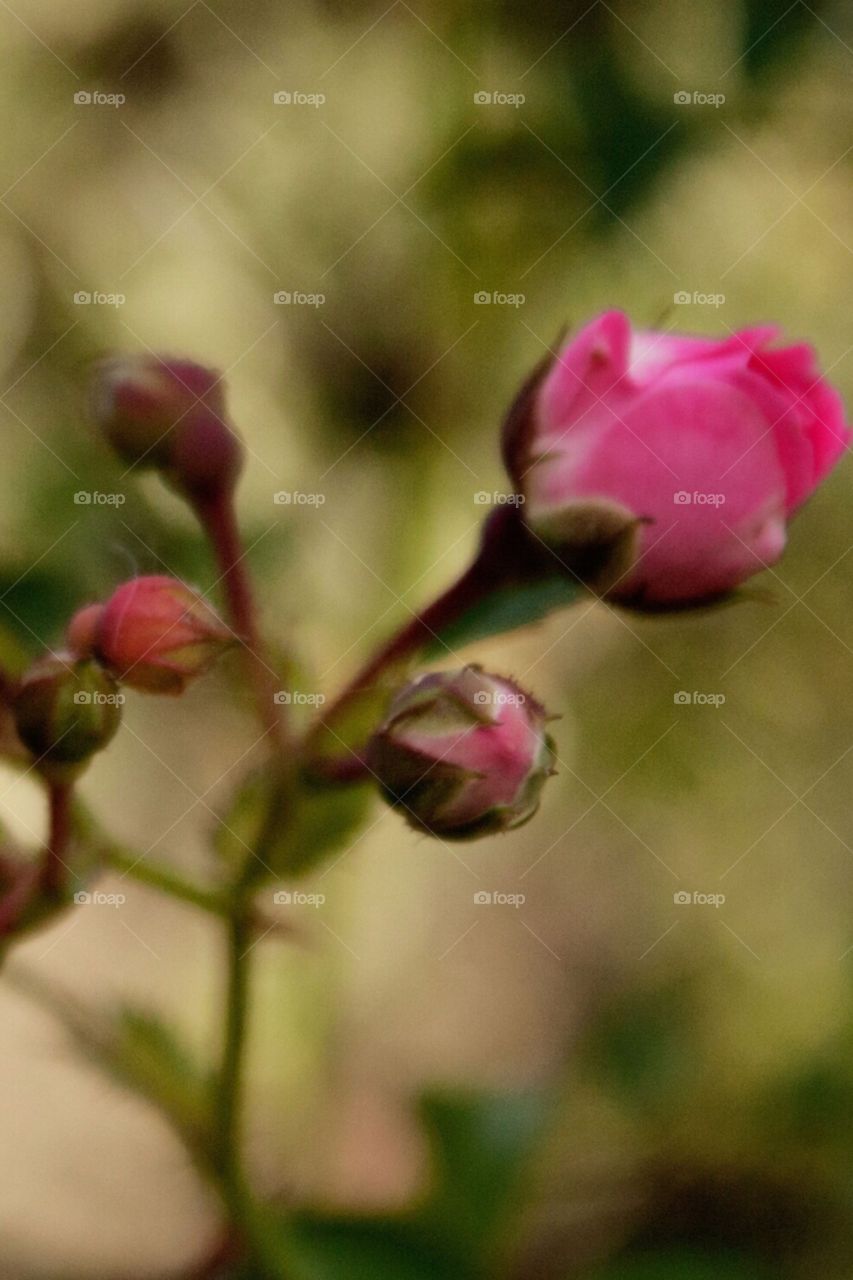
{"x": 462, "y": 754}
{"x": 157, "y": 634}
{"x": 169, "y": 414}
{"x": 711, "y": 445}
{"x": 82, "y": 631}
{"x": 65, "y": 711}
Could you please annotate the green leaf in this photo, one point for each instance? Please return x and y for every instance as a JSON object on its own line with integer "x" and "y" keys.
{"x": 137, "y": 1049}
{"x": 325, "y": 816}
{"x": 505, "y": 610}
{"x": 239, "y": 827}
{"x": 149, "y": 1057}
{"x": 481, "y": 1144}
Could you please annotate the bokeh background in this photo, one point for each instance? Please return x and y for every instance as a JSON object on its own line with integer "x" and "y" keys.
{"x": 697, "y": 1060}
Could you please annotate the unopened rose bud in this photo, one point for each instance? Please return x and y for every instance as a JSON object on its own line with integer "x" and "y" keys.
{"x": 205, "y": 457}
{"x": 169, "y": 414}
{"x": 65, "y": 710}
{"x": 462, "y": 754}
{"x": 703, "y": 448}
{"x": 156, "y": 634}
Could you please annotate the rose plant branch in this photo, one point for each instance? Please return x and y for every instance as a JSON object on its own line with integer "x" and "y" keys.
{"x": 218, "y": 519}
{"x": 656, "y": 471}
{"x": 55, "y": 866}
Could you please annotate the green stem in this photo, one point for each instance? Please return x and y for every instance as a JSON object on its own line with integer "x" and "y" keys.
{"x": 164, "y": 879}
{"x": 249, "y": 1218}
{"x": 230, "y": 1082}
{"x": 126, "y": 860}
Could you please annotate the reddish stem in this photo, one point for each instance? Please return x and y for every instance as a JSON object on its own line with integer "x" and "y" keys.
{"x": 54, "y": 869}
{"x": 17, "y": 897}
{"x": 219, "y": 520}
{"x": 505, "y": 555}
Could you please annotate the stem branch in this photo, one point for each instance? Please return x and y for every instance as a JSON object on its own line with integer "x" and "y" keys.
{"x": 503, "y": 557}
{"x": 229, "y": 1099}
{"x": 219, "y": 520}
{"x": 54, "y": 871}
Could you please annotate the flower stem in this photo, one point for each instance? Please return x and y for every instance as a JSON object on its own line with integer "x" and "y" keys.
{"x": 54, "y": 870}
{"x": 219, "y": 520}
{"x": 164, "y": 879}
{"x": 229, "y": 1101}
{"x": 503, "y": 556}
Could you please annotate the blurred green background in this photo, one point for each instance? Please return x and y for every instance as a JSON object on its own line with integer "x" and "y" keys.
{"x": 694, "y": 1060}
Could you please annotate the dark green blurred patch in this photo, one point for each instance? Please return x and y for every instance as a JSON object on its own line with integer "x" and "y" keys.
{"x": 682, "y": 1264}
{"x": 643, "y": 1049}
{"x": 35, "y": 605}
{"x": 138, "y": 54}
{"x": 814, "y": 1107}
{"x": 774, "y": 33}
{"x": 629, "y": 141}
{"x": 481, "y": 1145}
{"x": 776, "y": 1215}
{"x": 362, "y": 373}
{"x": 330, "y": 1249}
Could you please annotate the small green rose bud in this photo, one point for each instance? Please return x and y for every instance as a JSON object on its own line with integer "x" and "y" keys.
{"x": 65, "y": 710}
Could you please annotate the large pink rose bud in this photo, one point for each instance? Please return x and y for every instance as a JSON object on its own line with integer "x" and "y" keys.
{"x": 157, "y": 634}
{"x": 462, "y": 754}
{"x": 707, "y": 446}
{"x": 169, "y": 414}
